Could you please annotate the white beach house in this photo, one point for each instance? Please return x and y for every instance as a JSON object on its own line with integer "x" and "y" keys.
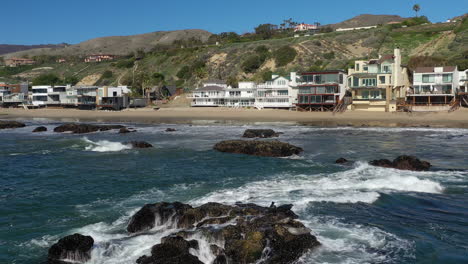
{"x": 48, "y": 95}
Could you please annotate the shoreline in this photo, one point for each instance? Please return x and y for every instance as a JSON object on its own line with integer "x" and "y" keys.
{"x": 457, "y": 119}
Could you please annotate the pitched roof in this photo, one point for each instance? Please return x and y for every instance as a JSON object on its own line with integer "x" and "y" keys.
{"x": 386, "y": 57}
{"x": 432, "y": 69}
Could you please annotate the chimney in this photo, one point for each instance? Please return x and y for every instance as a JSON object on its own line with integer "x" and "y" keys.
{"x": 397, "y": 74}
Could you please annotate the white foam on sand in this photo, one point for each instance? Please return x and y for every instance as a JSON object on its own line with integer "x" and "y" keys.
{"x": 105, "y": 145}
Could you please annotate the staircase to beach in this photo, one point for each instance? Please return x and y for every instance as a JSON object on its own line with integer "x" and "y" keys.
{"x": 342, "y": 105}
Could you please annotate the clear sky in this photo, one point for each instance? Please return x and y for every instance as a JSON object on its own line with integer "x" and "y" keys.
{"x": 73, "y": 21}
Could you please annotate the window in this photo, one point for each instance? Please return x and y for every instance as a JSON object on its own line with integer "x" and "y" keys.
{"x": 281, "y": 82}
{"x": 318, "y": 79}
{"x": 428, "y": 78}
{"x": 447, "y": 89}
{"x": 303, "y": 99}
{"x": 365, "y": 94}
{"x": 375, "y": 95}
{"x": 365, "y": 68}
{"x": 355, "y": 82}
{"x": 382, "y": 79}
{"x": 331, "y": 89}
{"x": 304, "y": 90}
{"x": 386, "y": 69}
{"x": 320, "y": 90}
{"x": 283, "y": 92}
{"x": 369, "y": 82}
{"x": 357, "y": 66}
{"x": 341, "y": 78}
{"x": 446, "y": 78}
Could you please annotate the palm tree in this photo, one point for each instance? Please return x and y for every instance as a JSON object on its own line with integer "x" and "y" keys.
{"x": 416, "y": 9}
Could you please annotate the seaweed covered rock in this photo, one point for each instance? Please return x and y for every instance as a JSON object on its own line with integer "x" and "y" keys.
{"x": 75, "y": 248}
{"x": 245, "y": 233}
{"x": 403, "y": 163}
{"x": 40, "y": 129}
{"x": 139, "y": 144}
{"x": 10, "y": 124}
{"x": 172, "y": 250}
{"x": 258, "y": 148}
{"x": 84, "y": 128}
{"x": 260, "y": 133}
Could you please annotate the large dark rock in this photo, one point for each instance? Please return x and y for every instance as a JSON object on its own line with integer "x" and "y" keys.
{"x": 125, "y": 130}
{"x": 84, "y": 128}
{"x": 260, "y": 133}
{"x": 139, "y": 144}
{"x": 341, "y": 161}
{"x": 258, "y": 148}
{"x": 40, "y": 129}
{"x": 11, "y": 124}
{"x": 244, "y": 230}
{"x": 172, "y": 250}
{"x": 74, "y": 249}
{"x": 171, "y": 129}
{"x": 403, "y": 163}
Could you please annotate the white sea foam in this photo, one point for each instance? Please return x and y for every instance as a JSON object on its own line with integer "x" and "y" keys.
{"x": 105, "y": 146}
{"x": 359, "y": 184}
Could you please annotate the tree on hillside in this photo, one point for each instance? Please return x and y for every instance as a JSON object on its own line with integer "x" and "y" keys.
{"x": 416, "y": 9}
{"x": 266, "y": 31}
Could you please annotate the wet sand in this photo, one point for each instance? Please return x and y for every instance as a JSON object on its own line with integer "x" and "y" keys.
{"x": 457, "y": 119}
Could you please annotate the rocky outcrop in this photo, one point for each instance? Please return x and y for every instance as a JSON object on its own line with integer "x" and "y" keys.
{"x": 258, "y": 148}
{"x": 171, "y": 130}
{"x": 260, "y": 133}
{"x": 403, "y": 163}
{"x": 84, "y": 128}
{"x": 139, "y": 144}
{"x": 125, "y": 130}
{"x": 11, "y": 124}
{"x": 341, "y": 161}
{"x": 172, "y": 250}
{"x": 40, "y": 129}
{"x": 71, "y": 249}
{"x": 245, "y": 233}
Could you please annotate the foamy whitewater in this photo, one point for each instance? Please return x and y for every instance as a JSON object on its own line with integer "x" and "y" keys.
{"x": 54, "y": 184}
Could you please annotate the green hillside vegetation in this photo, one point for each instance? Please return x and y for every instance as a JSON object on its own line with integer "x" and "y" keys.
{"x": 254, "y": 56}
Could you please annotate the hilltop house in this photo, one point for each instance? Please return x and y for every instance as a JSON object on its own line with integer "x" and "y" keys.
{"x": 99, "y": 57}
{"x": 434, "y": 88}
{"x": 321, "y": 90}
{"x": 377, "y": 84}
{"x": 14, "y": 62}
{"x": 13, "y": 94}
{"x": 305, "y": 27}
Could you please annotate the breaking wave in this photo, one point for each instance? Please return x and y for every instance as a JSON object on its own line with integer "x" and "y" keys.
{"x": 105, "y": 146}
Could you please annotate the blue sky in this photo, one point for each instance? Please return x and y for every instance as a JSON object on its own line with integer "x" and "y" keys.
{"x": 73, "y": 21}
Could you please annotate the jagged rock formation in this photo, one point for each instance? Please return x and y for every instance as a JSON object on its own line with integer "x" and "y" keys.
{"x": 11, "y": 124}
{"x": 75, "y": 248}
{"x": 403, "y": 163}
{"x": 84, "y": 128}
{"x": 258, "y": 148}
{"x": 40, "y": 129}
{"x": 244, "y": 233}
{"x": 260, "y": 133}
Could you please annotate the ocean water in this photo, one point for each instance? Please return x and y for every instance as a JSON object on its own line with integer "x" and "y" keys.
{"x": 52, "y": 185}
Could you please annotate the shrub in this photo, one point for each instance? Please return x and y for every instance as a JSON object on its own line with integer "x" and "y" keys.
{"x": 125, "y": 63}
{"x": 72, "y": 80}
{"x": 252, "y": 63}
{"x": 266, "y": 75}
{"x": 425, "y": 61}
{"x": 106, "y": 75}
{"x": 329, "y": 55}
{"x": 414, "y": 21}
{"x": 184, "y": 73}
{"x": 284, "y": 55}
{"x": 46, "y": 79}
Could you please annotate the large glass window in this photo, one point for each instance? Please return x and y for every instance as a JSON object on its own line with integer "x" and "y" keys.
{"x": 365, "y": 94}
{"x": 428, "y": 78}
{"x": 320, "y": 90}
{"x": 303, "y": 99}
{"x": 447, "y": 89}
{"x": 331, "y": 89}
{"x": 375, "y": 95}
{"x": 369, "y": 82}
{"x": 283, "y": 92}
{"x": 382, "y": 79}
{"x": 446, "y": 78}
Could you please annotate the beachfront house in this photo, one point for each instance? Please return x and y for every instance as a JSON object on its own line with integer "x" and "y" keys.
{"x": 434, "y": 88}
{"x": 113, "y": 98}
{"x": 211, "y": 94}
{"x": 13, "y": 94}
{"x": 47, "y": 95}
{"x": 321, "y": 90}
{"x": 279, "y": 92}
{"x": 378, "y": 84}
{"x": 244, "y": 96}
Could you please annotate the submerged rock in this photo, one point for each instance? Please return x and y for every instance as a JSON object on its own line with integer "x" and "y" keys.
{"x": 139, "y": 144}
{"x": 260, "y": 133}
{"x": 11, "y": 124}
{"x": 85, "y": 128}
{"x": 40, "y": 129}
{"x": 244, "y": 233}
{"x": 172, "y": 250}
{"x": 71, "y": 249}
{"x": 258, "y": 148}
{"x": 341, "y": 161}
{"x": 125, "y": 130}
{"x": 403, "y": 163}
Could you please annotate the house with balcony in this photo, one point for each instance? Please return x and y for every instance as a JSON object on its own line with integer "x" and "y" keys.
{"x": 113, "y": 98}
{"x": 378, "y": 84}
{"x": 244, "y": 96}
{"x": 280, "y": 92}
{"x": 211, "y": 94}
{"x": 321, "y": 90}
{"x": 434, "y": 88}
{"x": 13, "y": 94}
{"x": 47, "y": 95}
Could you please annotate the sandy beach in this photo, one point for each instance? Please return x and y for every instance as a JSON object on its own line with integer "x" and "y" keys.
{"x": 457, "y": 119}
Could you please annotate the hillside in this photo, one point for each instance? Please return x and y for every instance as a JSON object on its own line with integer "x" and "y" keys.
{"x": 8, "y": 48}
{"x": 188, "y": 67}
{"x": 118, "y": 45}
{"x": 367, "y": 20}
